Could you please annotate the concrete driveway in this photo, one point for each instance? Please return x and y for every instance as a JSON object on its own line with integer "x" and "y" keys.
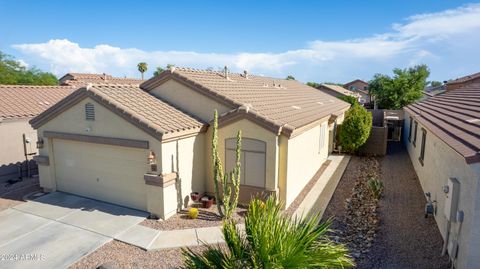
{"x": 57, "y": 229}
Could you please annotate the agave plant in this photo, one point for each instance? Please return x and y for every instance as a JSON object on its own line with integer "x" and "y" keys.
{"x": 272, "y": 240}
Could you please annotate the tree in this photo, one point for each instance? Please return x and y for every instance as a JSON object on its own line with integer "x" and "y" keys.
{"x": 158, "y": 71}
{"x": 314, "y": 84}
{"x": 404, "y": 88}
{"x": 290, "y": 77}
{"x": 142, "y": 68}
{"x": 272, "y": 240}
{"x": 435, "y": 83}
{"x": 355, "y": 129}
{"x": 349, "y": 99}
{"x": 228, "y": 180}
{"x": 12, "y": 72}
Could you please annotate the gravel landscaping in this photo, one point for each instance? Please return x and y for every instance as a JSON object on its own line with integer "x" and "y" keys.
{"x": 207, "y": 217}
{"x": 13, "y": 194}
{"x": 122, "y": 255}
{"x": 404, "y": 238}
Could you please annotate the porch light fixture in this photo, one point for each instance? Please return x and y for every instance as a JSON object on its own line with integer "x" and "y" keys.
{"x": 39, "y": 143}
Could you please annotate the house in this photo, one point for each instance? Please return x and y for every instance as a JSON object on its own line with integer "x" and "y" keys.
{"x": 360, "y": 87}
{"x": 462, "y": 81}
{"x": 430, "y": 91}
{"x": 149, "y": 147}
{"x": 337, "y": 91}
{"x": 19, "y": 104}
{"x": 442, "y": 135}
{"x": 81, "y": 79}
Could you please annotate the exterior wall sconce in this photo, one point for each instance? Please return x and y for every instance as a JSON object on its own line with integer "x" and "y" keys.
{"x": 40, "y": 143}
{"x": 152, "y": 161}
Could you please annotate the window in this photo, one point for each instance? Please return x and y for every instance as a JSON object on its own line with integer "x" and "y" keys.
{"x": 422, "y": 149}
{"x": 253, "y": 161}
{"x": 321, "y": 138}
{"x": 410, "y": 130}
{"x": 415, "y": 134}
{"x": 89, "y": 111}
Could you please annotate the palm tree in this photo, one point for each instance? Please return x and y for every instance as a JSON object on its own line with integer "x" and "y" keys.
{"x": 272, "y": 240}
{"x": 142, "y": 67}
{"x": 158, "y": 71}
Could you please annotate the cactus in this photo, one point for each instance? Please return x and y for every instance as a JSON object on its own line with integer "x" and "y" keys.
{"x": 233, "y": 177}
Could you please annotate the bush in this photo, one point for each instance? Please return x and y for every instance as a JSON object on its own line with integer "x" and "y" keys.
{"x": 349, "y": 99}
{"x": 272, "y": 240}
{"x": 193, "y": 213}
{"x": 376, "y": 187}
{"x": 355, "y": 129}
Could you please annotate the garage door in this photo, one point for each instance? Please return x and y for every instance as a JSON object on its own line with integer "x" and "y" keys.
{"x": 109, "y": 173}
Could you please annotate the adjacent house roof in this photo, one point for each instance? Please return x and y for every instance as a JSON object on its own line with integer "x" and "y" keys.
{"x": 432, "y": 91}
{"x": 465, "y": 78}
{"x": 454, "y": 117}
{"x": 281, "y": 104}
{"x": 145, "y": 111}
{"x": 340, "y": 90}
{"x": 82, "y": 79}
{"x": 355, "y": 81}
{"x": 18, "y": 101}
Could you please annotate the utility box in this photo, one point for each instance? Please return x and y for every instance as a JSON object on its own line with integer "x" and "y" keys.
{"x": 451, "y": 200}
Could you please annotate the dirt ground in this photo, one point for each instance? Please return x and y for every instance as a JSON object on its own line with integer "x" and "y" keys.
{"x": 405, "y": 239}
{"x": 12, "y": 194}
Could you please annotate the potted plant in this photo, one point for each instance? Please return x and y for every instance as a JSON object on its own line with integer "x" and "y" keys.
{"x": 195, "y": 196}
{"x": 207, "y": 201}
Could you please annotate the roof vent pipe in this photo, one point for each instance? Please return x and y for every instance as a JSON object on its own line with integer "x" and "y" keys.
{"x": 245, "y": 73}
{"x": 104, "y": 76}
{"x": 225, "y": 71}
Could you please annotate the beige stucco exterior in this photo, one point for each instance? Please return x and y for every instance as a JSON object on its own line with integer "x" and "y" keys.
{"x": 441, "y": 162}
{"x": 189, "y": 100}
{"x": 117, "y": 173}
{"x": 11, "y": 147}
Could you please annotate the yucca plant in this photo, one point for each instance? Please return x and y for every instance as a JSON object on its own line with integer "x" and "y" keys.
{"x": 272, "y": 240}
{"x": 376, "y": 187}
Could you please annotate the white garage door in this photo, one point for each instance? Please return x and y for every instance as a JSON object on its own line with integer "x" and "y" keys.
{"x": 109, "y": 173}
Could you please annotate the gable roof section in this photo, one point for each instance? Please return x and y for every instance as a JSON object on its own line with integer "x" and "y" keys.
{"x": 340, "y": 89}
{"x": 465, "y": 78}
{"x": 354, "y": 81}
{"x": 278, "y": 103}
{"x": 25, "y": 101}
{"x": 82, "y": 79}
{"x": 143, "y": 110}
{"x": 454, "y": 117}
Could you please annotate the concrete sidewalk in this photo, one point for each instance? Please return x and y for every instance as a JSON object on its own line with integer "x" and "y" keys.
{"x": 317, "y": 199}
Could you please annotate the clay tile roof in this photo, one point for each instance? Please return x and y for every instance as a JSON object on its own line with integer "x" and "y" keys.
{"x": 277, "y": 101}
{"x": 82, "y": 79}
{"x": 465, "y": 78}
{"x": 25, "y": 101}
{"x": 340, "y": 90}
{"x": 353, "y": 81}
{"x": 454, "y": 117}
{"x": 147, "y": 112}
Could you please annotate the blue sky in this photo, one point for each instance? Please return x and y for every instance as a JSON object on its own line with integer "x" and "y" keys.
{"x": 322, "y": 41}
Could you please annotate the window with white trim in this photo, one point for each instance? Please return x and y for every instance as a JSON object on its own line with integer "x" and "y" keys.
{"x": 89, "y": 112}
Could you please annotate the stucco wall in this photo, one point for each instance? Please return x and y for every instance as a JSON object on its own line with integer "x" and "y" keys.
{"x": 189, "y": 100}
{"x": 303, "y": 160}
{"x": 440, "y": 163}
{"x": 11, "y": 147}
{"x": 249, "y": 130}
{"x": 191, "y": 167}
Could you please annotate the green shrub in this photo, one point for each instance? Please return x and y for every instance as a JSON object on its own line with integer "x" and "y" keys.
{"x": 376, "y": 187}
{"x": 349, "y": 99}
{"x": 355, "y": 129}
{"x": 272, "y": 240}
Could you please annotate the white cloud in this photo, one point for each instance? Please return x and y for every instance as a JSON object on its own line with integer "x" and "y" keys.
{"x": 411, "y": 42}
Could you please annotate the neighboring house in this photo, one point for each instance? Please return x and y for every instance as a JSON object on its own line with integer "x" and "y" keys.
{"x": 19, "y": 104}
{"x": 360, "y": 87}
{"x": 149, "y": 147}
{"x": 337, "y": 91}
{"x": 82, "y": 79}
{"x": 442, "y": 135}
{"x": 430, "y": 91}
{"x": 459, "y": 82}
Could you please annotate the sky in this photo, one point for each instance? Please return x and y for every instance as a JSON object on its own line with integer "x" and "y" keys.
{"x": 336, "y": 41}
